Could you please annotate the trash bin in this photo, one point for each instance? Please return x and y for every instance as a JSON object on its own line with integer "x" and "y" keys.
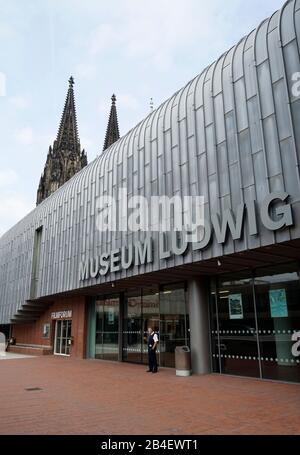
{"x": 183, "y": 361}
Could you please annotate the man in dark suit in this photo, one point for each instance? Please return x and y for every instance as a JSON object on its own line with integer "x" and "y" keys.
{"x": 152, "y": 346}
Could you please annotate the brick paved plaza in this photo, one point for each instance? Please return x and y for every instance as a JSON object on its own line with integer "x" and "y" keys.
{"x": 97, "y": 397}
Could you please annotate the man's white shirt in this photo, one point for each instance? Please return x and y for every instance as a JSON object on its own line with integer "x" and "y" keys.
{"x": 155, "y": 337}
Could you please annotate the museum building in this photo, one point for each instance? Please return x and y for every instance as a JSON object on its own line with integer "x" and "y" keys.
{"x": 231, "y": 135}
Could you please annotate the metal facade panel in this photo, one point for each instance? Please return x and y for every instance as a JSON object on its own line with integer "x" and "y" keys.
{"x": 231, "y": 134}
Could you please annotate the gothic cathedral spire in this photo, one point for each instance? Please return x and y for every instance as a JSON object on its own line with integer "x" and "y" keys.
{"x": 65, "y": 158}
{"x": 112, "y": 132}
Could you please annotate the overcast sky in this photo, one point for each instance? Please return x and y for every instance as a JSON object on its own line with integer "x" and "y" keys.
{"x": 136, "y": 48}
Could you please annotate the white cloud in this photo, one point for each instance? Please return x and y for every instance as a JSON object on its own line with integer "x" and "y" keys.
{"x": 156, "y": 31}
{"x": 102, "y": 38}
{"x": 85, "y": 71}
{"x": 25, "y": 136}
{"x": 20, "y": 102}
{"x": 13, "y": 207}
{"x": 6, "y": 31}
{"x": 127, "y": 101}
{"x": 8, "y": 177}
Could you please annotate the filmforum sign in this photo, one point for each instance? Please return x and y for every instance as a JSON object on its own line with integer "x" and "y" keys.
{"x": 275, "y": 213}
{"x": 67, "y": 314}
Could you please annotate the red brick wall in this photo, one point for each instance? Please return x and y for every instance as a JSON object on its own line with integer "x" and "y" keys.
{"x": 32, "y": 333}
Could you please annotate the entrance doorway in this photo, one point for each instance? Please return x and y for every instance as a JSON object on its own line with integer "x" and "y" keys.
{"x": 117, "y": 324}
{"x": 141, "y": 310}
{"x": 164, "y": 310}
{"x": 107, "y": 328}
{"x": 62, "y": 342}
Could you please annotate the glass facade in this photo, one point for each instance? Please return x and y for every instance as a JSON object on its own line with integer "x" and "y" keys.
{"x": 118, "y": 325}
{"x": 255, "y": 319}
{"x": 255, "y": 323}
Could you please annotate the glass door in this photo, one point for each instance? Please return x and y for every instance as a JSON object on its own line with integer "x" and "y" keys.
{"x": 173, "y": 322}
{"x": 132, "y": 327}
{"x": 141, "y": 310}
{"x": 62, "y": 343}
{"x": 107, "y": 328}
{"x": 150, "y": 318}
{"x": 165, "y": 312}
{"x": 277, "y": 294}
{"x": 237, "y": 335}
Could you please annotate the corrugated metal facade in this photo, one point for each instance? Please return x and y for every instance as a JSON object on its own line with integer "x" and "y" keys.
{"x": 232, "y": 134}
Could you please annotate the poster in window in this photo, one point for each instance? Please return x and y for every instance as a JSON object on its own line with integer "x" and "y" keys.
{"x": 278, "y": 303}
{"x": 46, "y": 330}
{"x": 235, "y": 306}
{"x": 111, "y": 316}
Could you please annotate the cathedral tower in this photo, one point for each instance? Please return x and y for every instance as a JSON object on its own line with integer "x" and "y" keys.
{"x": 65, "y": 158}
{"x": 112, "y": 132}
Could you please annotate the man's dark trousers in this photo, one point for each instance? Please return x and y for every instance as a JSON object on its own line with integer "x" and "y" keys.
{"x": 152, "y": 359}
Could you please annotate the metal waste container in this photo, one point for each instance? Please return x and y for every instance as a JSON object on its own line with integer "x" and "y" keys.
{"x": 183, "y": 361}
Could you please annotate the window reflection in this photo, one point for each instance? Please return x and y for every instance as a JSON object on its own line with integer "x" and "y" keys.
{"x": 255, "y": 319}
{"x": 174, "y": 323}
{"x": 132, "y": 327}
{"x": 278, "y": 313}
{"x": 237, "y": 341}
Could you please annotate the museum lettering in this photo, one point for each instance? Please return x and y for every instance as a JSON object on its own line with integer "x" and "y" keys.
{"x": 275, "y": 213}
